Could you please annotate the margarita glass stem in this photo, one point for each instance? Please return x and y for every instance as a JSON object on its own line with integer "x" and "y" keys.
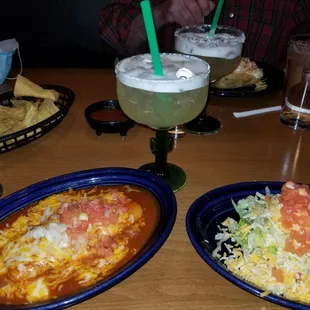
{"x": 160, "y": 147}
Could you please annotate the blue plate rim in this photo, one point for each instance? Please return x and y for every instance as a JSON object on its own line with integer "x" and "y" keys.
{"x": 217, "y": 267}
{"x": 87, "y": 294}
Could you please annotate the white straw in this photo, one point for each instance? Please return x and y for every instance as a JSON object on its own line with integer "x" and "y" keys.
{"x": 305, "y": 91}
{"x": 256, "y": 112}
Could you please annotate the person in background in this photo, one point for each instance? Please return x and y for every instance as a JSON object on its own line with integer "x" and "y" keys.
{"x": 268, "y": 24}
{"x": 122, "y": 28}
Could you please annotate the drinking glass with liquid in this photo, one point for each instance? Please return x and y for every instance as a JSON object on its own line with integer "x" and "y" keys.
{"x": 295, "y": 110}
{"x": 222, "y": 51}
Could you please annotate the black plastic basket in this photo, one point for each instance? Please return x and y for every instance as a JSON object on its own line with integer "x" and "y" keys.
{"x": 22, "y": 137}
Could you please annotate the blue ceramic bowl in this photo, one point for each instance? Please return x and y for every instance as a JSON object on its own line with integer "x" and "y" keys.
{"x": 212, "y": 209}
{"x": 90, "y": 178}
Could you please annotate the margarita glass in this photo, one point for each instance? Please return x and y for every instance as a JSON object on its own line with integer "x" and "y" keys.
{"x": 222, "y": 52}
{"x": 163, "y": 102}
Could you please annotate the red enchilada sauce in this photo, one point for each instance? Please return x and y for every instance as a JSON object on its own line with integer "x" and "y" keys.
{"x": 109, "y": 115}
{"x": 151, "y": 212}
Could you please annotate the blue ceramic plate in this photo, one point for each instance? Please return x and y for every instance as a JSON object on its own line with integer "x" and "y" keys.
{"x": 91, "y": 178}
{"x": 212, "y": 209}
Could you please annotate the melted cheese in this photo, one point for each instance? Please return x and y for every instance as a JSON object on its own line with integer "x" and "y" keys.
{"x": 37, "y": 290}
{"x": 37, "y": 250}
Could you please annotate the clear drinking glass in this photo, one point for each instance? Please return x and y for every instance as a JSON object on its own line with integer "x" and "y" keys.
{"x": 162, "y": 103}
{"x": 222, "y": 53}
{"x": 295, "y": 110}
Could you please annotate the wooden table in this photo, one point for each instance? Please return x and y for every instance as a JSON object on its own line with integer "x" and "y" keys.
{"x": 254, "y": 148}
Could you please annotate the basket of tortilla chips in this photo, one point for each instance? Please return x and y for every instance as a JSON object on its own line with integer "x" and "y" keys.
{"x": 31, "y": 111}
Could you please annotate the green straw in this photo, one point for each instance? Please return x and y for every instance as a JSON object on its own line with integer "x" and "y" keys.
{"x": 216, "y": 18}
{"x": 151, "y": 36}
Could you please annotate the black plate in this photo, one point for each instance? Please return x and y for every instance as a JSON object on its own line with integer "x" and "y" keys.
{"x": 274, "y": 80}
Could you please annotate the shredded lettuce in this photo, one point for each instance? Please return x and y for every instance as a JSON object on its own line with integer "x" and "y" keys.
{"x": 272, "y": 249}
{"x": 255, "y": 229}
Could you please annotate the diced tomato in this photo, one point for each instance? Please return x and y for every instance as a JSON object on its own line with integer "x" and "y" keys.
{"x": 108, "y": 206}
{"x": 88, "y": 259}
{"x": 75, "y": 234}
{"x": 114, "y": 195}
{"x": 113, "y": 218}
{"x": 122, "y": 199}
{"x": 96, "y": 201}
{"x": 91, "y": 205}
{"x": 302, "y": 250}
{"x": 106, "y": 212}
{"x": 105, "y": 246}
{"x": 95, "y": 216}
{"x": 62, "y": 207}
{"x": 94, "y": 211}
{"x": 286, "y": 223}
{"x": 295, "y": 203}
{"x": 278, "y": 274}
{"x": 107, "y": 241}
{"x": 67, "y": 217}
{"x": 96, "y": 204}
{"x": 303, "y": 238}
{"x": 123, "y": 209}
{"x": 303, "y": 220}
{"x": 72, "y": 219}
{"x": 299, "y": 242}
{"x": 289, "y": 246}
{"x": 295, "y": 200}
{"x": 303, "y": 235}
{"x": 83, "y": 225}
{"x": 84, "y": 206}
{"x": 103, "y": 252}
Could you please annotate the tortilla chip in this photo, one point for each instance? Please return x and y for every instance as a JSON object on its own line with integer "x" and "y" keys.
{"x": 31, "y": 114}
{"x": 6, "y": 125}
{"x": 24, "y": 87}
{"x": 46, "y": 109}
{"x": 24, "y": 103}
{"x": 9, "y": 126}
{"x": 26, "y": 113}
{"x": 246, "y": 74}
{"x": 17, "y": 113}
{"x": 235, "y": 80}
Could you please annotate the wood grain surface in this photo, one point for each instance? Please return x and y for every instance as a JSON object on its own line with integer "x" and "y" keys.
{"x": 253, "y": 148}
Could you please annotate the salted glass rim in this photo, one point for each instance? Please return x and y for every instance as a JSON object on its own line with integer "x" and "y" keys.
{"x": 203, "y": 27}
{"x": 298, "y": 39}
{"x": 202, "y": 75}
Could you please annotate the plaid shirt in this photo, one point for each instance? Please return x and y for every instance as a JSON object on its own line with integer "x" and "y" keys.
{"x": 267, "y": 25}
